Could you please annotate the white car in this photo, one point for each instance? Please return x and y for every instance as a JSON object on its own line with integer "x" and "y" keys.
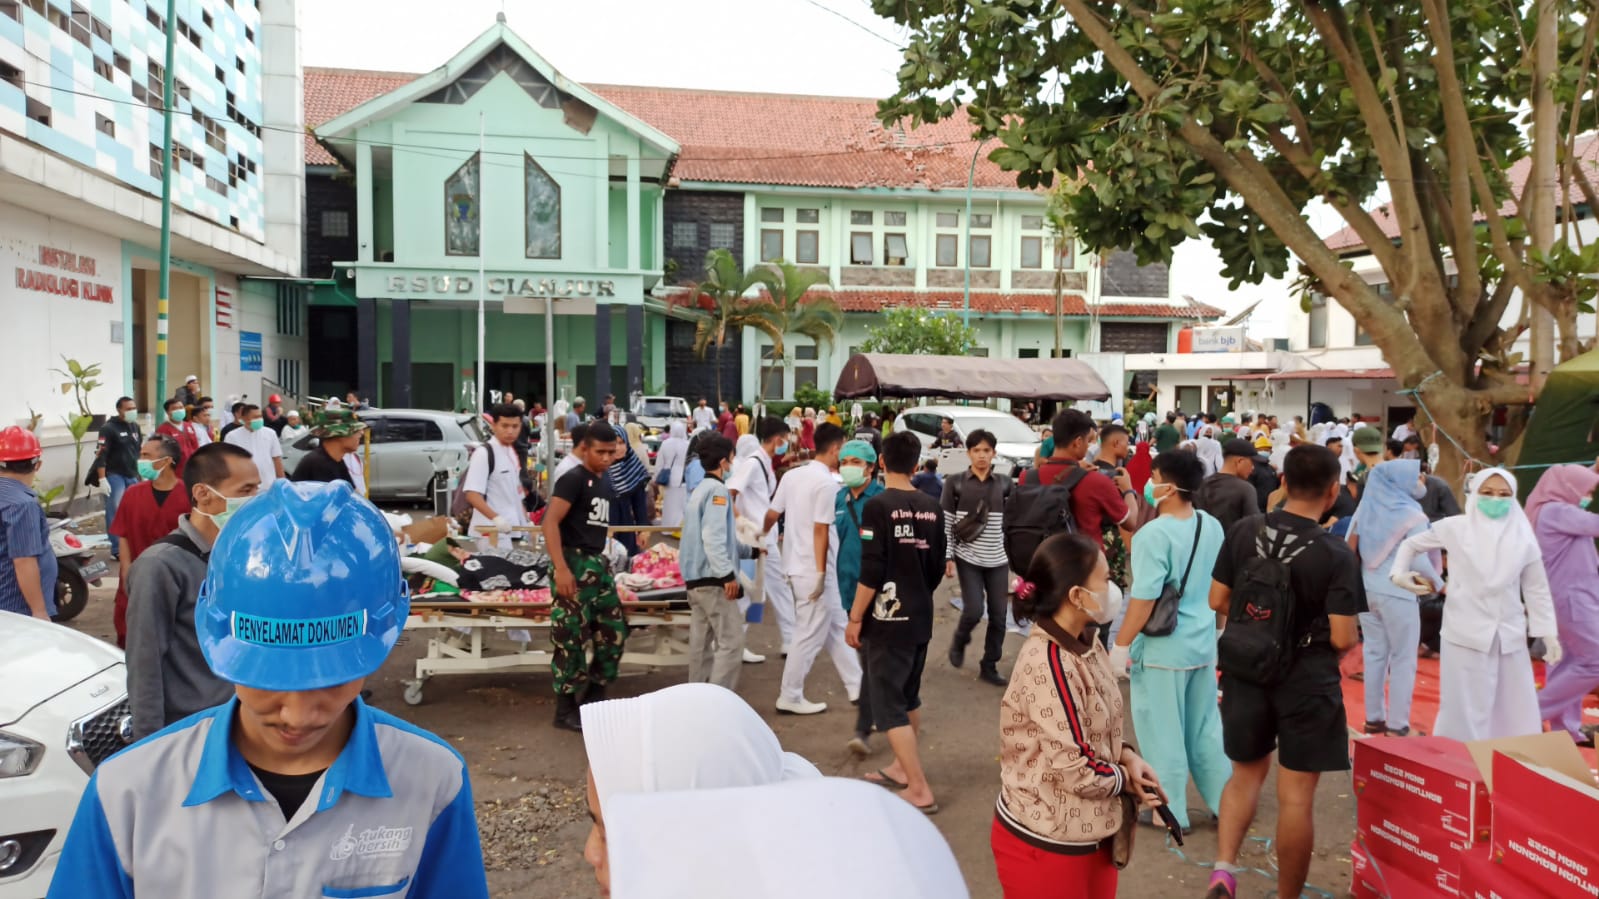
{"x": 410, "y": 447}
{"x": 1017, "y": 443}
{"x": 658, "y": 412}
{"x": 63, "y": 711}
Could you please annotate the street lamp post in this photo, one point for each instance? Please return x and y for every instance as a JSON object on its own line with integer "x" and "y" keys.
{"x": 167, "y": 102}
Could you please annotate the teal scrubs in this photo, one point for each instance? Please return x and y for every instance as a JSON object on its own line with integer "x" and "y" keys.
{"x": 847, "y": 511}
{"x": 1174, "y": 677}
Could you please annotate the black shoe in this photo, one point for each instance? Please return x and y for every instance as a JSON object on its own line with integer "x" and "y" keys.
{"x": 596, "y": 693}
{"x": 567, "y": 716}
{"x": 957, "y": 652}
{"x": 992, "y": 676}
{"x": 1376, "y": 728}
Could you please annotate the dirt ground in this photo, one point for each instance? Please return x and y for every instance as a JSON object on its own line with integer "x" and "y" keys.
{"x": 528, "y": 777}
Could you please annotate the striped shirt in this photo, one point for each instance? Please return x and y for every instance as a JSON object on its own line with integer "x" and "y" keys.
{"x": 962, "y": 494}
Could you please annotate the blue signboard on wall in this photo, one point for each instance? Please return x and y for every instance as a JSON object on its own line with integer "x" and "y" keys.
{"x": 249, "y": 351}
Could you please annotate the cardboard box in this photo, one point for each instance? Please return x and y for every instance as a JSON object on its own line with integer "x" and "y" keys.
{"x": 1543, "y": 820}
{"x": 1373, "y": 879}
{"x": 1432, "y": 780}
{"x": 1483, "y": 878}
{"x": 1397, "y": 842}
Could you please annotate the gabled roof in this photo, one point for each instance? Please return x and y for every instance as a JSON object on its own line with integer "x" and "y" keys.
{"x": 497, "y": 35}
{"x": 726, "y": 137}
{"x": 1587, "y": 150}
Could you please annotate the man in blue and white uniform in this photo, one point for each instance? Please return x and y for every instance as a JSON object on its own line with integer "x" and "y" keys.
{"x": 295, "y": 787}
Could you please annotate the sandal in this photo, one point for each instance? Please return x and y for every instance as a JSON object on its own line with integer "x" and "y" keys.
{"x": 884, "y": 781}
{"x": 928, "y": 810}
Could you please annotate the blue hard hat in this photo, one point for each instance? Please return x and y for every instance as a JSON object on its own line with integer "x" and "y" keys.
{"x": 303, "y": 590}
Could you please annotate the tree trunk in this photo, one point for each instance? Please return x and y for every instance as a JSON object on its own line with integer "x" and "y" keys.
{"x": 1454, "y": 413}
{"x": 718, "y": 373}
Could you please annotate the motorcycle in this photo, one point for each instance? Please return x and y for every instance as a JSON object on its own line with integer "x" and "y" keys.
{"x": 79, "y": 566}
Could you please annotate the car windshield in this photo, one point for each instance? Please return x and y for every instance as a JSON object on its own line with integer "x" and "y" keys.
{"x": 1004, "y": 428}
{"x": 662, "y": 407}
{"x": 473, "y": 426}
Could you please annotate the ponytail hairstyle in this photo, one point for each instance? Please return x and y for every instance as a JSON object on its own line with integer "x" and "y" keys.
{"x": 1062, "y": 562}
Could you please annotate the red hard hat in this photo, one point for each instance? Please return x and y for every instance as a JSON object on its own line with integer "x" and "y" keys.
{"x": 18, "y": 445}
{"x": 274, "y": 398}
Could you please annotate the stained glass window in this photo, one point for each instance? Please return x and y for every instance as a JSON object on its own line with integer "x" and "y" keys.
{"x": 543, "y": 210}
{"x": 462, "y": 220}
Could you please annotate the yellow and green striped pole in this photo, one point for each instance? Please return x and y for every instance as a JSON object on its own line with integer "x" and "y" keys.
{"x": 167, "y": 102}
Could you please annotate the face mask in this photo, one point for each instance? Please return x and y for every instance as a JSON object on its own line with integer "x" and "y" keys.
{"x": 256, "y": 425}
{"x": 147, "y": 470}
{"x": 781, "y": 448}
{"x": 853, "y": 475}
{"x": 1585, "y": 501}
{"x": 220, "y": 519}
{"x": 1410, "y": 454}
{"x": 178, "y": 415}
{"x": 130, "y": 415}
{"x": 1149, "y": 493}
{"x": 1495, "y": 507}
{"x": 1106, "y": 605}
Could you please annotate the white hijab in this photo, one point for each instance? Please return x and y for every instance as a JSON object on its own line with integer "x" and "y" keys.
{"x": 673, "y": 453}
{"x": 1208, "y": 450}
{"x": 861, "y": 842}
{"x": 1488, "y": 553}
{"x": 687, "y": 737}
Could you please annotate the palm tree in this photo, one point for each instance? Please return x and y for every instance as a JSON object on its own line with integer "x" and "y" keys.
{"x": 817, "y": 317}
{"x": 721, "y": 309}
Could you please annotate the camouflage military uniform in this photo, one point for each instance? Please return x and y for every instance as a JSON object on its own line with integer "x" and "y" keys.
{"x": 1116, "y": 556}
{"x": 594, "y": 611}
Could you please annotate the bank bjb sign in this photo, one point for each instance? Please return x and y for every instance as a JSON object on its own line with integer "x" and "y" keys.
{"x": 1218, "y": 340}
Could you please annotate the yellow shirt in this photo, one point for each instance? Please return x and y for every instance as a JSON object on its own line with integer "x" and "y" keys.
{"x": 742, "y": 423}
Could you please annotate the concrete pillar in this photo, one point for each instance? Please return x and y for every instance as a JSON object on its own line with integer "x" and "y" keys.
{"x": 635, "y": 349}
{"x": 366, "y": 348}
{"x": 602, "y": 355}
{"x": 400, "y": 334}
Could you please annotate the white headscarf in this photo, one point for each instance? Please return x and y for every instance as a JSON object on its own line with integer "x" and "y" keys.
{"x": 673, "y": 453}
{"x": 748, "y": 446}
{"x": 687, "y": 737}
{"x": 1208, "y": 450}
{"x": 1486, "y": 552}
{"x": 861, "y": 842}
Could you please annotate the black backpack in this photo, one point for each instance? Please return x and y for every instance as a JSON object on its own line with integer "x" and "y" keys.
{"x": 1037, "y": 511}
{"x": 1258, "y": 646}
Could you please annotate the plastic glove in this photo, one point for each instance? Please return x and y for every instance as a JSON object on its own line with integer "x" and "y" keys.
{"x": 503, "y": 524}
{"x": 816, "y": 591}
{"x": 748, "y": 532}
{"x": 1120, "y": 658}
{"x": 1411, "y": 581}
{"x": 1552, "y": 652}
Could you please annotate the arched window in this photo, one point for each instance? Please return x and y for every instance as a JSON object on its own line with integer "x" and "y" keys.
{"x": 542, "y": 210}
{"x": 462, "y": 206}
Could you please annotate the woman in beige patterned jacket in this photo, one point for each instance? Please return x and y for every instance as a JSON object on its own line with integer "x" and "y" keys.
{"x": 1063, "y": 764}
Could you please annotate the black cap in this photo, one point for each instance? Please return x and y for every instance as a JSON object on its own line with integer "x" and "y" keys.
{"x": 1238, "y": 447}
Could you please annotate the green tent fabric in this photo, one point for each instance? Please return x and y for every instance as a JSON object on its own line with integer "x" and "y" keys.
{"x": 1565, "y": 422}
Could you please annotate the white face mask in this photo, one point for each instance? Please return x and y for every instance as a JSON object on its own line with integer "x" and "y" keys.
{"x": 1107, "y": 605}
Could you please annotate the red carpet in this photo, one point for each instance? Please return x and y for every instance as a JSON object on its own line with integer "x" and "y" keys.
{"x": 1424, "y": 705}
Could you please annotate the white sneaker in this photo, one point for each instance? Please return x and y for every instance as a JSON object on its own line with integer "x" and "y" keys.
{"x": 803, "y": 707}
{"x": 753, "y": 658}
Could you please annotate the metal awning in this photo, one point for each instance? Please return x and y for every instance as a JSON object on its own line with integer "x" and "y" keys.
{"x": 968, "y": 377}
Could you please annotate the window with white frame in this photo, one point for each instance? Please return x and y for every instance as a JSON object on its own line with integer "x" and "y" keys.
{"x": 860, "y": 248}
{"x": 1032, "y": 241}
{"x": 771, "y": 244}
{"x": 807, "y": 247}
{"x": 792, "y": 234}
{"x": 872, "y": 230}
{"x": 946, "y": 239}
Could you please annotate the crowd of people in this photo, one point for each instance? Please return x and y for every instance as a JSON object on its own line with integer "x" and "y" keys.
{"x": 1262, "y": 560}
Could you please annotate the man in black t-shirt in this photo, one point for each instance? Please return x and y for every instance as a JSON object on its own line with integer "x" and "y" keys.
{"x": 902, "y": 563}
{"x": 1227, "y": 495}
{"x": 576, "y": 527}
{"x": 1302, "y": 717}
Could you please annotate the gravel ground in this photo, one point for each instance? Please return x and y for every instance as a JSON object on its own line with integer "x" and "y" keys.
{"x": 528, "y": 777}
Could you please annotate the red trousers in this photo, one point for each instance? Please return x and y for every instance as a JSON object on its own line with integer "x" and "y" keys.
{"x": 1026, "y": 872}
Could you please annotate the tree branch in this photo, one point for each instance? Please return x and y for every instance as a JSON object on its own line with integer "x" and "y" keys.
{"x": 1461, "y": 150}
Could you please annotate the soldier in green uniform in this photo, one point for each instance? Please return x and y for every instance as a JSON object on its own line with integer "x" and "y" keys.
{"x": 338, "y": 433}
{"x": 585, "y": 604}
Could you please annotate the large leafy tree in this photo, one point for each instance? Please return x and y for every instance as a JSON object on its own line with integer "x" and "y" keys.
{"x": 1225, "y": 119}
{"x": 913, "y": 330}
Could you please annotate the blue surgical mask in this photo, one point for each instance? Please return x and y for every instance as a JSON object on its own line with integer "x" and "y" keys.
{"x": 853, "y": 475}
{"x": 1149, "y": 493}
{"x": 1585, "y": 502}
{"x": 781, "y": 448}
{"x": 130, "y": 415}
{"x": 147, "y": 469}
{"x": 1494, "y": 507}
{"x": 178, "y": 414}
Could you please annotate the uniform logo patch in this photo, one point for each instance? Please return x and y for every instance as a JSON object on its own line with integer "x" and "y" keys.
{"x": 718, "y": 500}
{"x": 374, "y": 841}
{"x": 867, "y": 533}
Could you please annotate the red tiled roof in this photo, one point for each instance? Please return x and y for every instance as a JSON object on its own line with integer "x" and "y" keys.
{"x": 737, "y": 137}
{"x": 330, "y": 93}
{"x": 1587, "y": 150}
{"x": 992, "y": 303}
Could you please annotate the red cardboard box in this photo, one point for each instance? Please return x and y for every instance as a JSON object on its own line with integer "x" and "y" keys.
{"x": 1542, "y": 826}
{"x": 1433, "y": 780}
{"x": 1483, "y": 878}
{"x": 1424, "y": 854}
{"x": 1373, "y": 879}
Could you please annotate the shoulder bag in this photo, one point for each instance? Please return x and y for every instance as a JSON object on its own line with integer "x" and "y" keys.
{"x": 1163, "y": 619}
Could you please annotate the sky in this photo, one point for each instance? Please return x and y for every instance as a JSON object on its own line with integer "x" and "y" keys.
{"x": 829, "y": 47}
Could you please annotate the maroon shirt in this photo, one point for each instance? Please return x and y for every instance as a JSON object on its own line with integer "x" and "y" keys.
{"x": 140, "y": 522}
{"x": 1096, "y": 503}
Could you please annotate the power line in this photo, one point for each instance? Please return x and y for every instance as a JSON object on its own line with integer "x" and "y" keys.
{"x": 827, "y": 9}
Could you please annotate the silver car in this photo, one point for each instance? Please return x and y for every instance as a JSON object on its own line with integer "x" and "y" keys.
{"x": 409, "y": 447}
{"x": 1017, "y": 442}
